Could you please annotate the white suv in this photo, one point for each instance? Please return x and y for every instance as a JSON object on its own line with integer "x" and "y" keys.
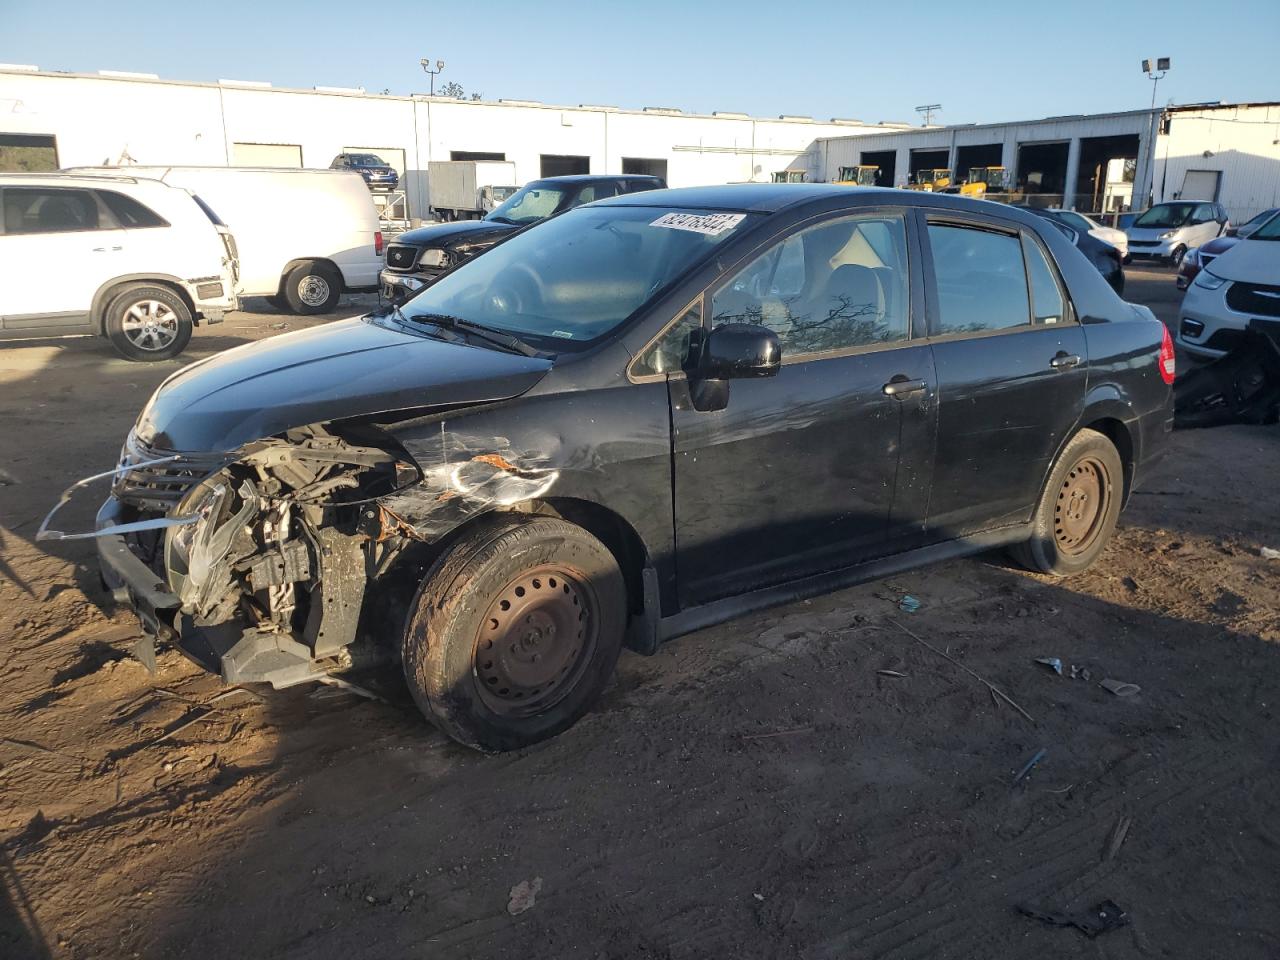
{"x": 130, "y": 259}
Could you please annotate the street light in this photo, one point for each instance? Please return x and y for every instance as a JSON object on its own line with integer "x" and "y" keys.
{"x": 426, "y": 65}
{"x": 1155, "y": 70}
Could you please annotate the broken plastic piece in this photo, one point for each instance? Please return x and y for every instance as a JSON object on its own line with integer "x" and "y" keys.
{"x": 1039, "y": 755}
{"x": 1120, "y": 687}
{"x": 1054, "y": 663}
{"x": 909, "y": 604}
{"x": 44, "y": 533}
{"x": 890, "y": 673}
{"x": 1108, "y": 915}
{"x": 1269, "y": 553}
{"x": 1080, "y": 673}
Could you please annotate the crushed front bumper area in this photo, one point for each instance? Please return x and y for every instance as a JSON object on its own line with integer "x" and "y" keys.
{"x": 237, "y": 655}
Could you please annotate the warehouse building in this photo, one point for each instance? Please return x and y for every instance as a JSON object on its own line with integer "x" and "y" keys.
{"x": 65, "y": 119}
{"x": 1102, "y": 163}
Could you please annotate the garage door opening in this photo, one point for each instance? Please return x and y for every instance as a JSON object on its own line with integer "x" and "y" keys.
{"x": 562, "y": 165}
{"x": 1042, "y": 172}
{"x": 28, "y": 153}
{"x": 267, "y": 155}
{"x": 927, "y": 160}
{"x": 885, "y": 160}
{"x": 1105, "y": 181}
{"x": 973, "y": 162}
{"x": 643, "y": 166}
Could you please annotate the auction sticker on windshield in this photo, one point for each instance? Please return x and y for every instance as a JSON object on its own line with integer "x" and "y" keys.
{"x": 712, "y": 224}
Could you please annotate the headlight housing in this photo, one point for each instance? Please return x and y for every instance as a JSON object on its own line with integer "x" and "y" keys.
{"x": 434, "y": 258}
{"x": 1166, "y": 235}
{"x": 1208, "y": 281}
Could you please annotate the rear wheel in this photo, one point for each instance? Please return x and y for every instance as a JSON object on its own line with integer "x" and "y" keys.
{"x": 515, "y": 632}
{"x": 1077, "y": 512}
{"x": 312, "y": 287}
{"x": 147, "y": 323}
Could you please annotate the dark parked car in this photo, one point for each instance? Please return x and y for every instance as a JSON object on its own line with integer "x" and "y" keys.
{"x": 377, "y": 173}
{"x": 634, "y": 420}
{"x": 420, "y": 256}
{"x": 1199, "y": 258}
{"x": 1108, "y": 260}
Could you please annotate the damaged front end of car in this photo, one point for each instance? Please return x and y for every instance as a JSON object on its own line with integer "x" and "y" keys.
{"x": 255, "y": 563}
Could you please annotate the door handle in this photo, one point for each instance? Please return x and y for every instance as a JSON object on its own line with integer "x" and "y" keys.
{"x": 1064, "y": 361}
{"x": 901, "y": 387}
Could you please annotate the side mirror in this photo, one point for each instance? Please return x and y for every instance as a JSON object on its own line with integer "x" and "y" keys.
{"x": 737, "y": 351}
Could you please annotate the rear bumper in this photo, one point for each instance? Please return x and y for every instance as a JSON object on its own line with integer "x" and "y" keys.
{"x": 236, "y": 654}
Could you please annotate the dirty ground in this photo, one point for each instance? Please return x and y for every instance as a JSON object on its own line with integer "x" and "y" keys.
{"x": 813, "y": 781}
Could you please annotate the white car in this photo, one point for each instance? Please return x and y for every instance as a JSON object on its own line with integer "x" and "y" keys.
{"x": 1167, "y": 231}
{"x": 1236, "y": 287}
{"x": 305, "y": 237}
{"x": 125, "y": 258}
{"x": 1079, "y": 222}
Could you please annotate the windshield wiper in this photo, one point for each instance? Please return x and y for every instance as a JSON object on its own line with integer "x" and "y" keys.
{"x": 497, "y": 337}
{"x": 493, "y": 219}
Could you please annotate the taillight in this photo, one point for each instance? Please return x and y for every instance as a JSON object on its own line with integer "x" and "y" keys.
{"x": 377, "y": 243}
{"x": 1167, "y": 362}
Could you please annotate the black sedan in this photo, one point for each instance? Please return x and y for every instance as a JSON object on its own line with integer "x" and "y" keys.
{"x": 1106, "y": 258}
{"x": 418, "y": 257}
{"x": 634, "y": 420}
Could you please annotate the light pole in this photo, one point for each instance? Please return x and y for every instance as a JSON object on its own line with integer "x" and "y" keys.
{"x": 1155, "y": 70}
{"x": 426, "y": 65}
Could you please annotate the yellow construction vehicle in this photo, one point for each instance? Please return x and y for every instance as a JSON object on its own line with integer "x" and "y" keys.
{"x": 931, "y": 181}
{"x": 983, "y": 180}
{"x": 859, "y": 176}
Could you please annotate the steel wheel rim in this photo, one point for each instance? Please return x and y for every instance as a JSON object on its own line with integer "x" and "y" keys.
{"x": 1081, "y": 507}
{"x": 150, "y": 325}
{"x": 535, "y": 641}
{"x": 313, "y": 290}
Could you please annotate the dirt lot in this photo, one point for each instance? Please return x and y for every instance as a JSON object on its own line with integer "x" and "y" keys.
{"x": 760, "y": 789}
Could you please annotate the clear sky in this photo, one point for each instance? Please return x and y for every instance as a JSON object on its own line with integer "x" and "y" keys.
{"x": 870, "y": 61}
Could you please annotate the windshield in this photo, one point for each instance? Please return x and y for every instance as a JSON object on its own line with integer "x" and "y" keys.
{"x": 576, "y": 277}
{"x": 529, "y": 204}
{"x": 1075, "y": 221}
{"x": 1247, "y": 228}
{"x": 1166, "y": 215}
{"x": 367, "y": 160}
{"x": 1268, "y": 231}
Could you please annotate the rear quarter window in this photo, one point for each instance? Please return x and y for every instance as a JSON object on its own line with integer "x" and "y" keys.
{"x": 129, "y": 213}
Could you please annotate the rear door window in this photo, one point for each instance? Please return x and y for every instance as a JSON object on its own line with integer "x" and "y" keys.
{"x": 129, "y": 213}
{"x": 981, "y": 281}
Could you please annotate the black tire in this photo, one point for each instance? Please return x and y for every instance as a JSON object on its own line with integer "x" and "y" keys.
{"x": 1117, "y": 281}
{"x": 147, "y": 323}
{"x": 312, "y": 287}
{"x": 1078, "y": 509}
{"x": 514, "y": 632}
{"x": 1175, "y": 258}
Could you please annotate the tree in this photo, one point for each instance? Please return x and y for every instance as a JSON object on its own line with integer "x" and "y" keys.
{"x": 477, "y": 96}
{"x": 453, "y": 89}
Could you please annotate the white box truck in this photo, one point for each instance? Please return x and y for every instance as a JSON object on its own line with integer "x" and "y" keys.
{"x": 304, "y": 237}
{"x": 468, "y": 189}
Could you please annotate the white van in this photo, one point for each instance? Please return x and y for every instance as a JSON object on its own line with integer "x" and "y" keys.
{"x": 305, "y": 237}
{"x": 125, "y": 258}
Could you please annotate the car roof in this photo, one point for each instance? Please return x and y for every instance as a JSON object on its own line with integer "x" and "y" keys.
{"x": 596, "y": 178}
{"x": 56, "y": 179}
{"x": 775, "y": 197}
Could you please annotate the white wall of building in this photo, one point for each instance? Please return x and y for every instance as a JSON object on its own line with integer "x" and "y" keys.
{"x": 101, "y": 119}
{"x": 1241, "y": 143}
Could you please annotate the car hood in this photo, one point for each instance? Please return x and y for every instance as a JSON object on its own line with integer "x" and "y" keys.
{"x": 1253, "y": 261}
{"x": 350, "y": 368}
{"x": 452, "y": 234}
{"x": 1218, "y": 245}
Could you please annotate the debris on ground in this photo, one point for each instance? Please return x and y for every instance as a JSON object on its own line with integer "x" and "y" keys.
{"x": 1116, "y": 837}
{"x": 891, "y": 673}
{"x": 1053, "y": 663}
{"x": 1120, "y": 688}
{"x": 1080, "y": 673}
{"x": 523, "y": 896}
{"x": 1106, "y": 916}
{"x": 909, "y": 604}
{"x": 1030, "y": 764}
{"x": 1270, "y": 553}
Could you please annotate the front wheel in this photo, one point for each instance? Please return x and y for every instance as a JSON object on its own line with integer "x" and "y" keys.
{"x": 146, "y": 323}
{"x": 312, "y": 287}
{"x": 515, "y": 632}
{"x": 1077, "y": 512}
{"x": 1175, "y": 258}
